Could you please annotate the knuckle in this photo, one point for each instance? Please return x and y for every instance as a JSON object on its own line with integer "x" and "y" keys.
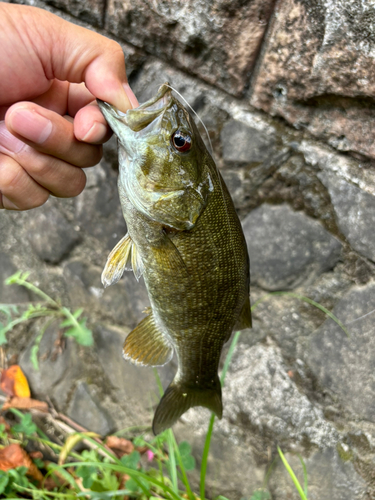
{"x": 11, "y": 173}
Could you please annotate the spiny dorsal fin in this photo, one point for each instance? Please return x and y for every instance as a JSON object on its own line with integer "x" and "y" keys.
{"x": 146, "y": 345}
{"x": 124, "y": 257}
{"x": 178, "y": 398}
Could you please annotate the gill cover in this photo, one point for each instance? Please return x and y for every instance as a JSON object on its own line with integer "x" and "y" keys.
{"x": 161, "y": 155}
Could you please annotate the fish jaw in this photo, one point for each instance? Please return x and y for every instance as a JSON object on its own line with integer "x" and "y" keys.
{"x": 165, "y": 185}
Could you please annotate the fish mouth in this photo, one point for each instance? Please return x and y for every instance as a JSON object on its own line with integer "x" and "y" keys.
{"x": 138, "y": 118}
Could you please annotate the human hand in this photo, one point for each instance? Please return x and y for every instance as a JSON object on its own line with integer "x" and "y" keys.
{"x": 50, "y": 125}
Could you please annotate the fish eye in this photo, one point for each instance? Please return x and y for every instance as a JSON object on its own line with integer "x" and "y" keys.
{"x": 181, "y": 141}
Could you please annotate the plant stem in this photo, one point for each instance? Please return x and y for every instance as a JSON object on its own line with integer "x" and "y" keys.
{"x": 292, "y": 475}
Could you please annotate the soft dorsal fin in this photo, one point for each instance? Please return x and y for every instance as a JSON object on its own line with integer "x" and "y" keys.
{"x": 123, "y": 257}
{"x": 146, "y": 345}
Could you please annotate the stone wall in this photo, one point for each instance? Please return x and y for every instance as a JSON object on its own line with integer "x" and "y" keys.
{"x": 286, "y": 90}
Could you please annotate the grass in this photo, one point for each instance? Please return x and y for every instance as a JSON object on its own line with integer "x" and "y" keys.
{"x": 98, "y": 473}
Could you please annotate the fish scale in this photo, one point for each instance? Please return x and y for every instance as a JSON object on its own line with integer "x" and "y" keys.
{"x": 187, "y": 241}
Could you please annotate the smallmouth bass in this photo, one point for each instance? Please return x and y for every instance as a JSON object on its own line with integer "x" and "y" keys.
{"x": 185, "y": 238}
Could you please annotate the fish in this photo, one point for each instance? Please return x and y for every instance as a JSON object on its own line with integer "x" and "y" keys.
{"x": 185, "y": 238}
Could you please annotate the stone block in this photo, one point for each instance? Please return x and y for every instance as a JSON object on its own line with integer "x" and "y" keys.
{"x": 355, "y": 213}
{"x": 135, "y": 386}
{"x": 10, "y": 294}
{"x": 122, "y": 303}
{"x": 218, "y": 41}
{"x": 259, "y": 395}
{"x": 329, "y": 478}
{"x": 287, "y": 248}
{"x": 58, "y": 369}
{"x": 317, "y": 71}
{"x": 89, "y": 11}
{"x": 50, "y": 235}
{"x": 85, "y": 409}
{"x": 345, "y": 365}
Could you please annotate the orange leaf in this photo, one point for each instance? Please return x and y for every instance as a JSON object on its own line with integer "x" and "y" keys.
{"x": 120, "y": 445}
{"x": 14, "y": 383}
{"x": 13, "y": 456}
{"x": 26, "y": 404}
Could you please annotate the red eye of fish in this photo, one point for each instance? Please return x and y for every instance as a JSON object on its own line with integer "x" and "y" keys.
{"x": 181, "y": 142}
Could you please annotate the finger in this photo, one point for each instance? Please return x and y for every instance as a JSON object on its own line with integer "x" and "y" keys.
{"x": 78, "y": 97}
{"x": 90, "y": 125}
{"x": 82, "y": 55}
{"x": 50, "y": 133}
{"x": 18, "y": 190}
{"x": 56, "y": 176}
{"x": 56, "y": 97}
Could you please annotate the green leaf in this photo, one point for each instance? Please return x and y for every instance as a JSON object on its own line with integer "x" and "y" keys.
{"x": 26, "y": 425}
{"x": 185, "y": 448}
{"x": 3, "y": 339}
{"x": 81, "y": 333}
{"x": 4, "y": 479}
{"x": 132, "y": 486}
{"x": 188, "y": 462}
{"x": 34, "y": 357}
{"x": 88, "y": 475}
{"x": 78, "y": 313}
{"x": 260, "y": 495}
{"x": 131, "y": 460}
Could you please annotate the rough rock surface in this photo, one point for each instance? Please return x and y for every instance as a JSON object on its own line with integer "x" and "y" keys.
{"x": 317, "y": 71}
{"x": 85, "y": 409}
{"x": 51, "y": 236}
{"x": 259, "y": 393}
{"x": 355, "y": 212}
{"x": 341, "y": 364}
{"x": 90, "y": 11}
{"x": 287, "y": 248}
{"x": 10, "y": 294}
{"x": 329, "y": 478}
{"x": 217, "y": 40}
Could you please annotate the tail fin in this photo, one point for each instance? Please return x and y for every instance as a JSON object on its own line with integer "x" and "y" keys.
{"x": 178, "y": 398}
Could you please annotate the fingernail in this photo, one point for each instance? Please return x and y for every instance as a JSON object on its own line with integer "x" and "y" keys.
{"x": 8, "y": 141}
{"x": 130, "y": 94}
{"x": 31, "y": 125}
{"x": 96, "y": 133}
{"x": 7, "y": 204}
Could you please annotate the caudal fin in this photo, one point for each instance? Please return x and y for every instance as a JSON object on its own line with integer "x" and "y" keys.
{"x": 178, "y": 398}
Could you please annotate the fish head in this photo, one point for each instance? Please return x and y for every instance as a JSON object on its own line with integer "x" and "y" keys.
{"x": 163, "y": 161}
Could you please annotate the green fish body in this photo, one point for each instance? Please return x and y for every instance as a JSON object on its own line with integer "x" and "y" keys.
{"x": 185, "y": 238}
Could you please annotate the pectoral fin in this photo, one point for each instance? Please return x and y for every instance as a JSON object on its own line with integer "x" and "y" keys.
{"x": 147, "y": 345}
{"x": 169, "y": 258}
{"x": 124, "y": 257}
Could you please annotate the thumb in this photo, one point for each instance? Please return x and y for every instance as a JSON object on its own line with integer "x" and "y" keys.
{"x": 79, "y": 55}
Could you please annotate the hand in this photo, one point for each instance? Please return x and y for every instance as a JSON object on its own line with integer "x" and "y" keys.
{"x": 51, "y": 71}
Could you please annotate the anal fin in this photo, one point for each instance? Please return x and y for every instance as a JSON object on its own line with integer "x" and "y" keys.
{"x": 146, "y": 345}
